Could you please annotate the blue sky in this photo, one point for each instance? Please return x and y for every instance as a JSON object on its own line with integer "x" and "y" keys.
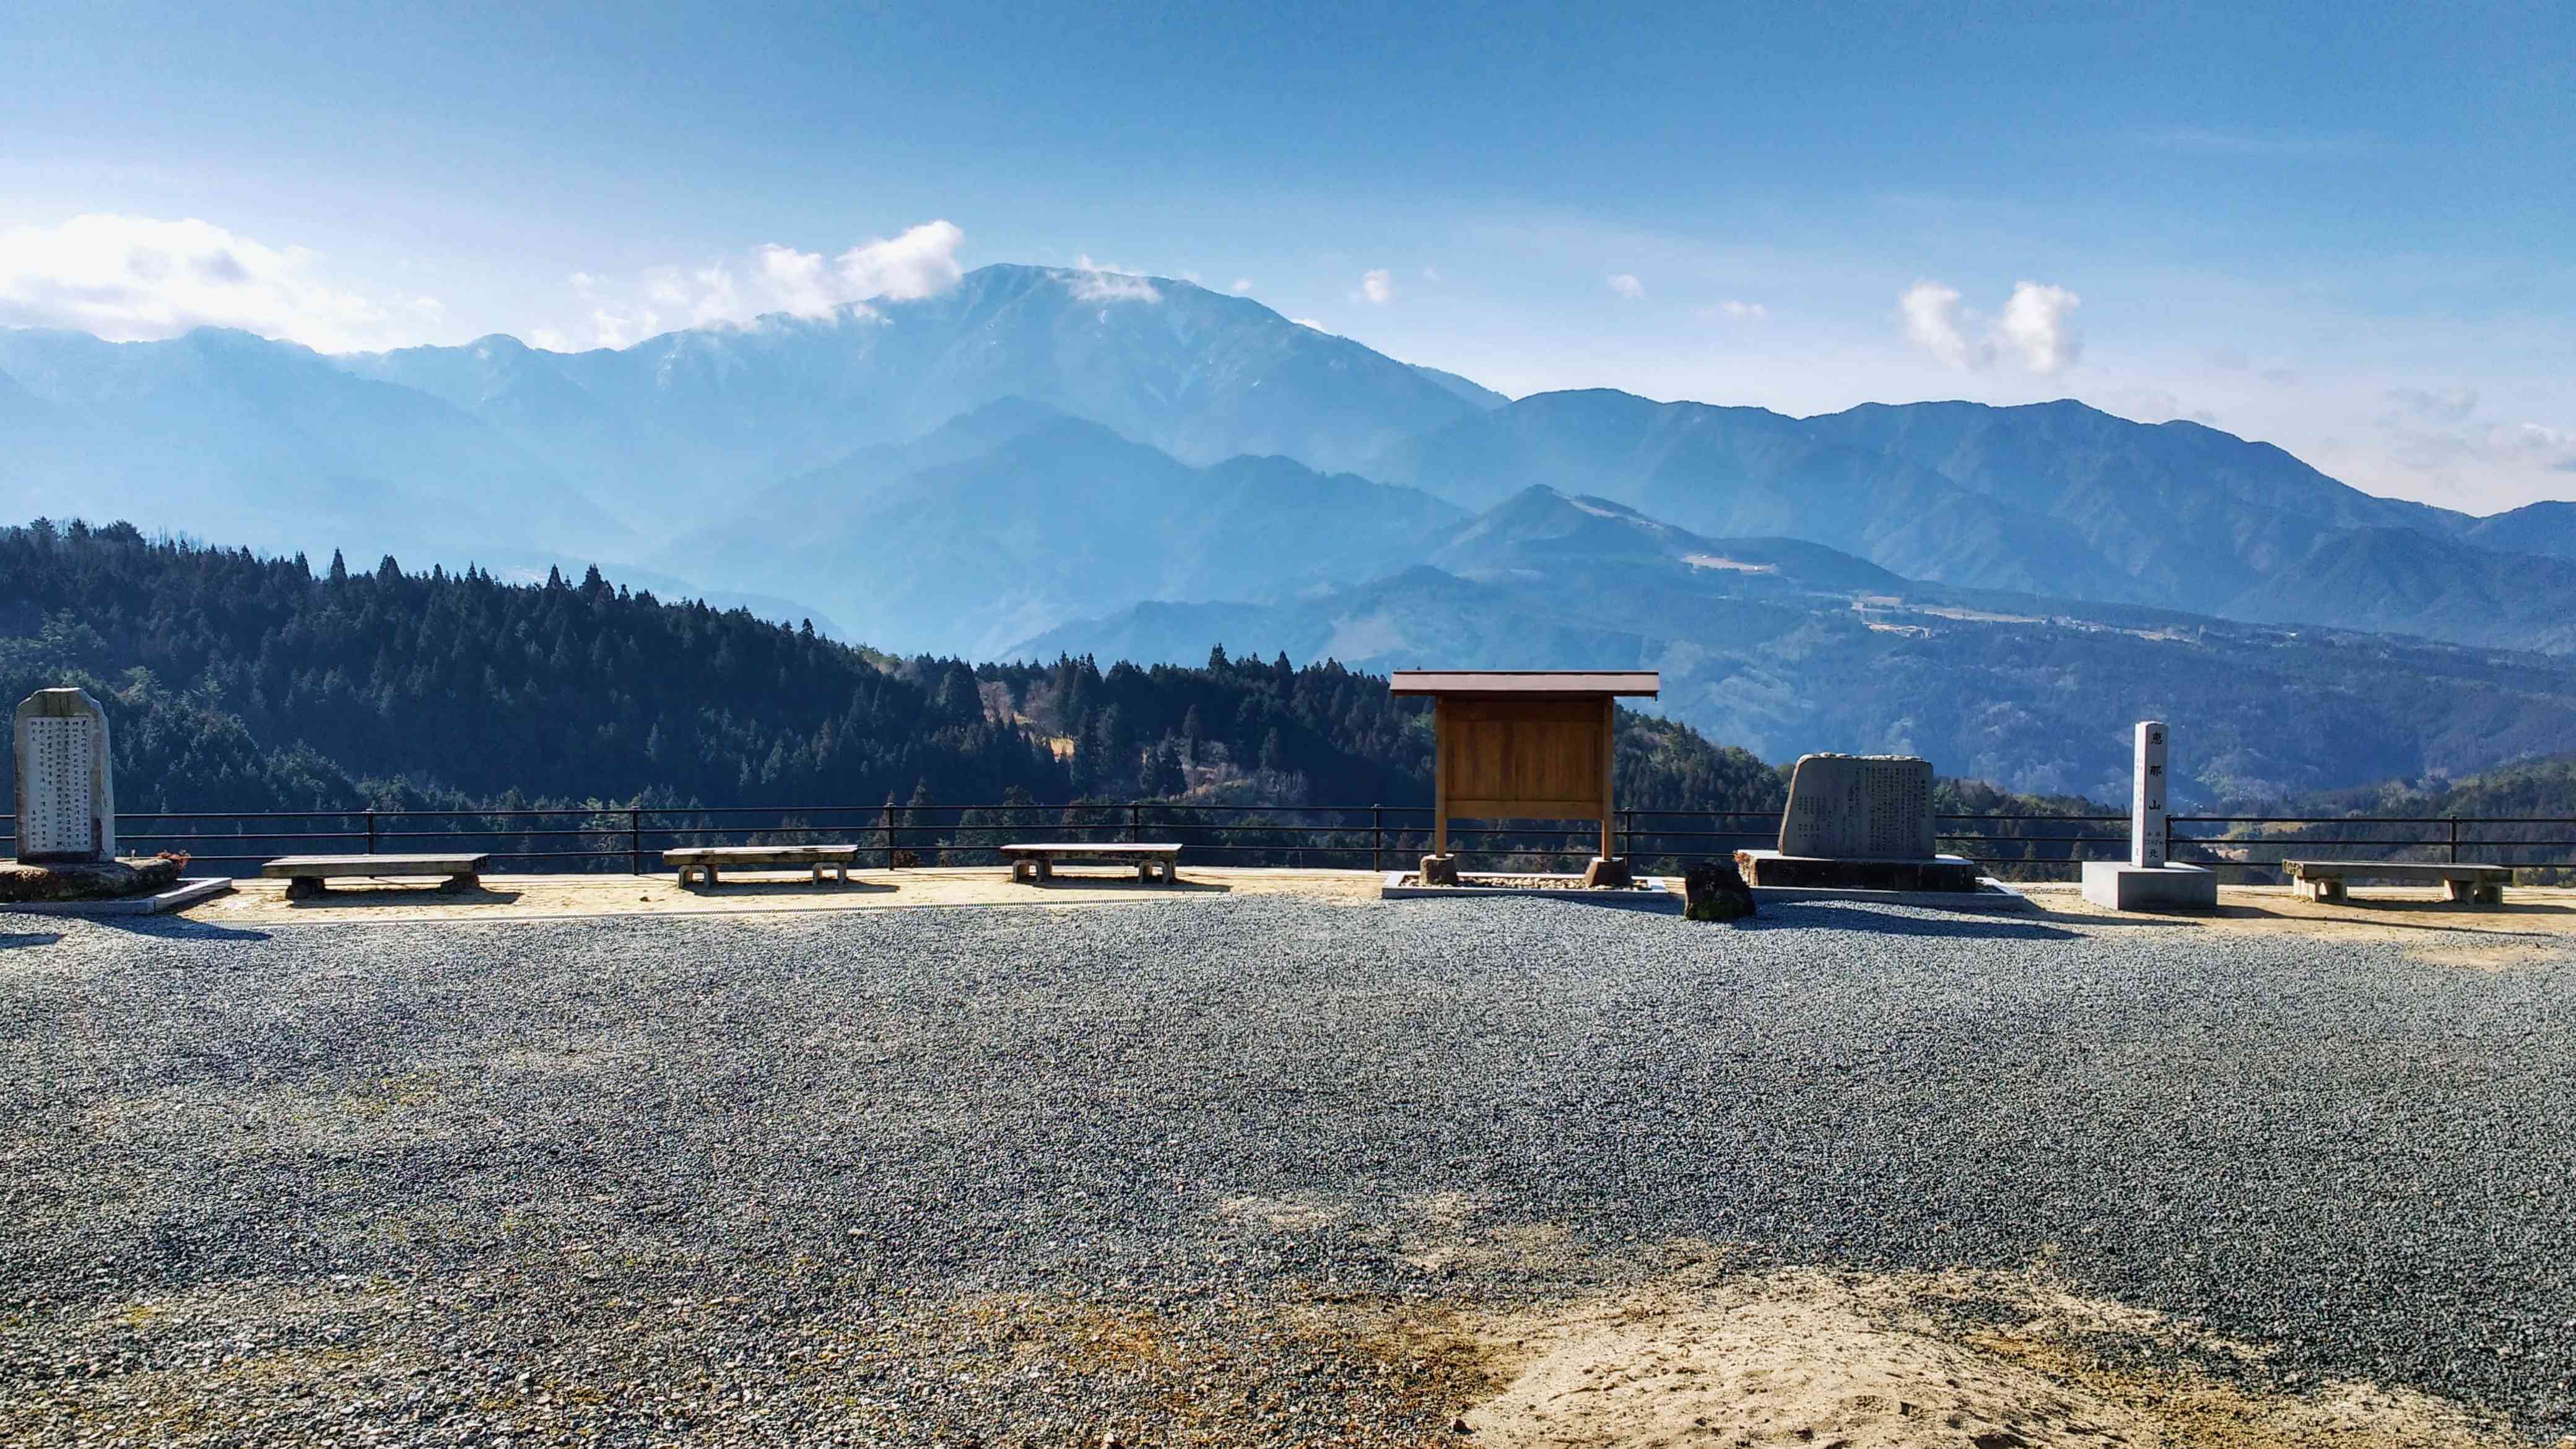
{"x": 2344, "y": 228}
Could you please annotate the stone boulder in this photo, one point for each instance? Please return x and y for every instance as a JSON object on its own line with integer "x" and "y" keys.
{"x": 1713, "y": 890}
{"x": 105, "y": 881}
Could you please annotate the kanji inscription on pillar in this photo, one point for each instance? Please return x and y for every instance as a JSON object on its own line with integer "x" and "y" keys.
{"x": 2147, "y": 797}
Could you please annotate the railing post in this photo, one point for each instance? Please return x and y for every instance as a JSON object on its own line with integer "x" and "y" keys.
{"x": 371, "y": 830}
{"x": 1135, "y": 821}
{"x": 2455, "y": 840}
{"x": 635, "y": 840}
{"x": 890, "y": 810}
{"x": 1377, "y": 837}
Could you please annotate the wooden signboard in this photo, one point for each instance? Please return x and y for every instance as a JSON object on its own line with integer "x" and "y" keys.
{"x": 1522, "y": 744}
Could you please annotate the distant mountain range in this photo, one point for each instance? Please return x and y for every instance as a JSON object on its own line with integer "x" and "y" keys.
{"x": 1783, "y": 646}
{"x": 1044, "y": 458}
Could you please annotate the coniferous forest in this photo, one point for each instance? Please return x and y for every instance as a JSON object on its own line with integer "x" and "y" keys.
{"x": 236, "y": 683}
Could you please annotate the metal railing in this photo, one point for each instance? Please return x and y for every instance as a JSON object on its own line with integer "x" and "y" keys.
{"x": 1376, "y": 836}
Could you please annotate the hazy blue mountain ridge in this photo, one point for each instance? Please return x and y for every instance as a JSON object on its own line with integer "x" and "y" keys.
{"x": 2541, "y": 528}
{"x": 271, "y": 444}
{"x": 949, "y": 545}
{"x": 2035, "y": 694}
{"x": 759, "y": 457}
{"x": 1200, "y": 375}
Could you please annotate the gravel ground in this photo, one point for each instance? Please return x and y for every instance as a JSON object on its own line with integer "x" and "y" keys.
{"x": 1214, "y": 1170}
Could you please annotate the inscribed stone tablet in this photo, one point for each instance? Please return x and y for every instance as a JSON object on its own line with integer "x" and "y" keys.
{"x": 1859, "y": 807}
{"x": 66, "y": 799}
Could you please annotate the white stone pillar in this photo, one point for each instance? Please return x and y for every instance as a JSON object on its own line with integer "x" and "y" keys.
{"x": 2147, "y": 797}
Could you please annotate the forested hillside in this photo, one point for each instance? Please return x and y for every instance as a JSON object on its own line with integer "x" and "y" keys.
{"x": 236, "y": 682}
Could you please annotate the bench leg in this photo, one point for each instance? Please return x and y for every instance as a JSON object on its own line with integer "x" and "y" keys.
{"x": 2324, "y": 891}
{"x": 2459, "y": 891}
{"x": 818, "y": 872}
{"x": 2489, "y": 895}
{"x": 457, "y": 885}
{"x": 304, "y": 887}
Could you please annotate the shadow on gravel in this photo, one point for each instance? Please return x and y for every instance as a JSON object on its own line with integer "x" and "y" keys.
{"x": 1845, "y": 916}
{"x": 343, "y": 897}
{"x": 801, "y": 885}
{"x": 1127, "y": 883}
{"x": 177, "y": 928}
{"x": 9, "y": 939}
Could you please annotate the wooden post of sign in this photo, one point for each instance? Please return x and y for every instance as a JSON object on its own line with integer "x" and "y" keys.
{"x": 1609, "y": 769}
{"x": 1439, "y": 777}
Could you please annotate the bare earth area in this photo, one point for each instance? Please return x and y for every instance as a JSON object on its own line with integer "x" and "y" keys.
{"x": 1265, "y": 1160}
{"x": 539, "y": 897}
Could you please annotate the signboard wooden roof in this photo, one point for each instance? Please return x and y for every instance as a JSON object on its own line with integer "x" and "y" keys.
{"x": 1560, "y": 683}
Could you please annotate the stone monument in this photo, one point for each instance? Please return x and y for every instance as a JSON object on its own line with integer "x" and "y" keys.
{"x": 2146, "y": 878}
{"x": 66, "y": 780}
{"x": 1859, "y": 822}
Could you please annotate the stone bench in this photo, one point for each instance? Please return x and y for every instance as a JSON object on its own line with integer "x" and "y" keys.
{"x": 706, "y": 860}
{"x": 2323, "y": 880}
{"x": 1036, "y": 862}
{"x": 307, "y": 875}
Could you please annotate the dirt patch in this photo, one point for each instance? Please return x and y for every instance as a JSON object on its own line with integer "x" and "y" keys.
{"x": 545, "y": 897}
{"x": 1811, "y": 1358}
{"x": 2535, "y": 927}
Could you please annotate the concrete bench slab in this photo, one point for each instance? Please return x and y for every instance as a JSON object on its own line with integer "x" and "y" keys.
{"x": 308, "y": 875}
{"x": 2324, "y": 880}
{"x": 1035, "y": 861}
{"x": 706, "y": 861}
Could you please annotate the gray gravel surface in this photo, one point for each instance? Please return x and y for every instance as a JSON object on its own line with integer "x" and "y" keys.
{"x": 1055, "y": 1176}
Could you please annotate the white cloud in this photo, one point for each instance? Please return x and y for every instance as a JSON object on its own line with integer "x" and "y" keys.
{"x": 1934, "y": 322}
{"x": 1311, "y": 322}
{"x": 1733, "y": 310}
{"x": 616, "y": 326}
{"x": 547, "y": 339}
{"x": 2036, "y": 327}
{"x": 1431, "y": 274}
{"x": 134, "y": 278}
{"x": 1094, "y": 282}
{"x": 2438, "y": 405}
{"x": 2551, "y": 448}
{"x": 920, "y": 262}
{"x": 1627, "y": 285}
{"x": 1242, "y": 285}
{"x": 1378, "y": 286}
{"x": 718, "y": 299}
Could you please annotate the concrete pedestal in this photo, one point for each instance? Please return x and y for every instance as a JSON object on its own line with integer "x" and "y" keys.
{"x": 1608, "y": 871}
{"x": 2120, "y": 886}
{"x": 1931, "y": 873}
